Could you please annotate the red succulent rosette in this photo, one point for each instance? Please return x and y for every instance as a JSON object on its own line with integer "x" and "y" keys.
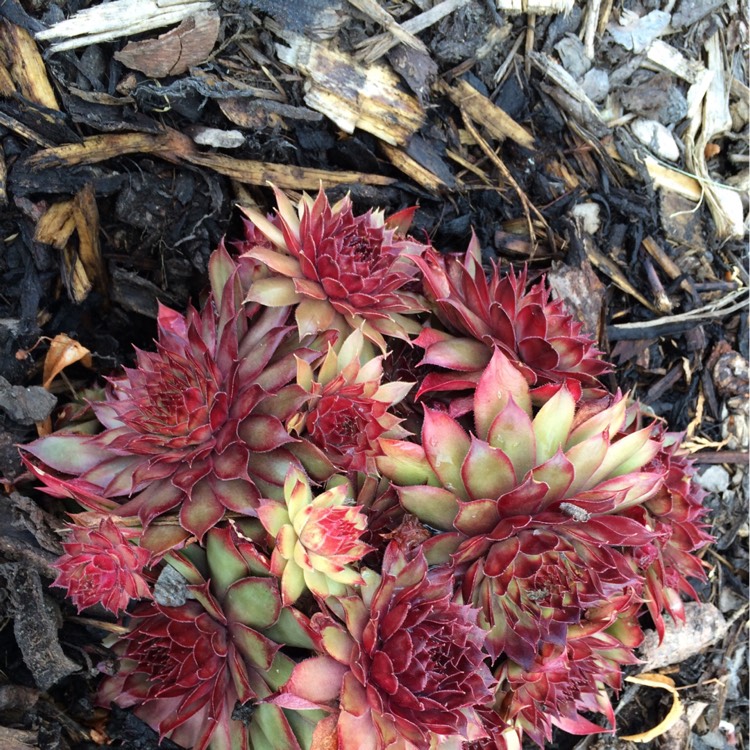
{"x": 562, "y": 685}
{"x": 498, "y": 310}
{"x": 102, "y": 565}
{"x": 190, "y": 428}
{"x": 349, "y": 406}
{"x": 408, "y": 667}
{"x": 175, "y": 669}
{"x": 338, "y": 267}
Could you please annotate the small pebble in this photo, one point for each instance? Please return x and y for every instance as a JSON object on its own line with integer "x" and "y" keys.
{"x": 714, "y": 479}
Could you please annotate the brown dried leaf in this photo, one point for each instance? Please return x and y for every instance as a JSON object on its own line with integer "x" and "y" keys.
{"x": 675, "y": 712}
{"x": 174, "y": 52}
{"x": 63, "y": 351}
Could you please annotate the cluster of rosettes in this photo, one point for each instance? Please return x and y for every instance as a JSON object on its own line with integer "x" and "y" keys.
{"x": 370, "y": 497}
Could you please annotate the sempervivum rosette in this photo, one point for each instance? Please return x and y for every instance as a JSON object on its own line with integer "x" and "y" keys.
{"x": 442, "y": 546}
{"x": 574, "y": 679}
{"x": 530, "y": 328}
{"x": 407, "y": 666}
{"x": 348, "y": 408}
{"x": 101, "y": 565}
{"x": 317, "y": 538}
{"x": 190, "y": 669}
{"x": 534, "y": 507}
{"x": 340, "y": 269}
{"x": 191, "y": 427}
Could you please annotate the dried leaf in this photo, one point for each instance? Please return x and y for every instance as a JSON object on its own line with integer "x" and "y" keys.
{"x": 665, "y": 683}
{"x": 177, "y": 50}
{"x": 63, "y": 351}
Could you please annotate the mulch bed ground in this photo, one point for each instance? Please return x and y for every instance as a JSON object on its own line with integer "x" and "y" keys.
{"x": 605, "y": 146}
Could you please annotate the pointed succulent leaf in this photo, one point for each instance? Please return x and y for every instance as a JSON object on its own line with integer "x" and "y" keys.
{"x": 202, "y": 510}
{"x": 268, "y": 229}
{"x": 274, "y": 729}
{"x": 224, "y": 559}
{"x": 282, "y": 264}
{"x": 262, "y": 433}
{"x": 256, "y": 648}
{"x": 292, "y": 628}
{"x": 445, "y": 444}
{"x": 338, "y": 643}
{"x": 438, "y": 549}
{"x": 297, "y": 491}
{"x": 499, "y": 382}
{"x": 609, "y": 420}
{"x": 631, "y": 451}
{"x": 314, "y": 460}
{"x": 486, "y": 471}
{"x": 277, "y": 291}
{"x": 254, "y": 602}
{"x": 586, "y": 458}
{"x": 220, "y": 268}
{"x": 512, "y": 432}
{"x": 558, "y": 474}
{"x": 639, "y": 458}
{"x": 273, "y": 515}
{"x": 477, "y": 517}
{"x": 463, "y": 355}
{"x": 612, "y": 530}
{"x": 292, "y": 582}
{"x": 313, "y": 315}
{"x": 72, "y": 454}
{"x": 433, "y": 506}
{"x": 317, "y": 679}
{"x": 405, "y": 463}
{"x": 552, "y": 424}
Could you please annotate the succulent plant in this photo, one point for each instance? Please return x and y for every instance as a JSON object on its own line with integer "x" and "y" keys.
{"x": 480, "y": 313}
{"x": 347, "y": 411}
{"x": 316, "y": 538}
{"x": 560, "y": 686}
{"x": 407, "y": 666}
{"x": 533, "y": 507}
{"x": 341, "y": 270}
{"x": 370, "y": 552}
{"x": 199, "y": 671}
{"x": 192, "y": 427}
{"x": 101, "y": 565}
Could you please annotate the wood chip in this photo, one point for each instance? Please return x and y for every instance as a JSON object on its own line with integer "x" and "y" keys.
{"x": 378, "y": 14}
{"x": 118, "y": 19}
{"x": 173, "y": 53}
{"x": 179, "y": 148}
{"x": 82, "y": 261}
{"x": 537, "y": 7}
{"x": 22, "y": 68}
{"x": 413, "y": 169}
{"x": 704, "y": 625}
{"x": 353, "y": 95}
{"x": 481, "y": 110}
{"x": 569, "y": 94}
